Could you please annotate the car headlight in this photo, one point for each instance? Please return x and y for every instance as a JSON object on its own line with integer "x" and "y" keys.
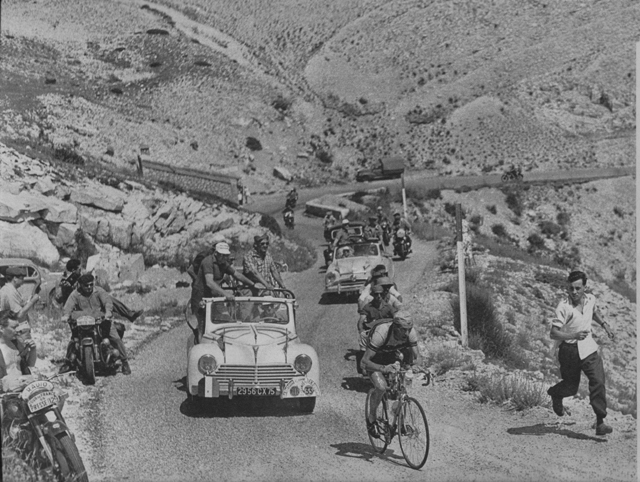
{"x": 207, "y": 364}
{"x": 331, "y": 277}
{"x": 303, "y": 364}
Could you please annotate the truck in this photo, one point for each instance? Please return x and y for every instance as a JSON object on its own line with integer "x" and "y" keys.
{"x": 388, "y": 168}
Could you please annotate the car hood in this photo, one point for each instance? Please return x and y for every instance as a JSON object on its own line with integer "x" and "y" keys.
{"x": 353, "y": 265}
{"x": 254, "y": 344}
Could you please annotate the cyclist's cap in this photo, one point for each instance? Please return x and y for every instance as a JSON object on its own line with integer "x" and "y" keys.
{"x": 16, "y": 271}
{"x": 86, "y": 279}
{"x": 403, "y": 320}
{"x": 223, "y": 248}
{"x": 345, "y": 221}
{"x": 376, "y": 289}
{"x": 384, "y": 281}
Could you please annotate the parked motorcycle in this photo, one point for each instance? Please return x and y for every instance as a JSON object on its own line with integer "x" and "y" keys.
{"x": 513, "y": 174}
{"x": 401, "y": 244}
{"x": 288, "y": 219}
{"x": 32, "y": 424}
{"x": 94, "y": 350}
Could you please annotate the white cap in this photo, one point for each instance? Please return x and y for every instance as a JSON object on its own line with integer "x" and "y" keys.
{"x": 345, "y": 221}
{"x": 223, "y": 248}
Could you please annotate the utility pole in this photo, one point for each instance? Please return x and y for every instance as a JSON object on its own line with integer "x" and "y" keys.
{"x": 462, "y": 286}
{"x": 404, "y": 198}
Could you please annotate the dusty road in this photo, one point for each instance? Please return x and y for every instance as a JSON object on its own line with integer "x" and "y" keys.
{"x": 143, "y": 431}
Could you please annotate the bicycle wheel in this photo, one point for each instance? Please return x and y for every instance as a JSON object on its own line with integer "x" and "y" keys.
{"x": 378, "y": 444}
{"x": 413, "y": 432}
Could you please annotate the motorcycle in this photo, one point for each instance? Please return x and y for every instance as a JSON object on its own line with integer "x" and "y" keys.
{"x": 401, "y": 244}
{"x": 32, "y": 424}
{"x": 94, "y": 350}
{"x": 513, "y": 174}
{"x": 288, "y": 219}
{"x": 386, "y": 233}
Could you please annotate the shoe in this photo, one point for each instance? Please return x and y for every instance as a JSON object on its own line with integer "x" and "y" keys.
{"x": 372, "y": 429}
{"x": 603, "y": 429}
{"x": 136, "y": 315}
{"x": 406, "y": 430}
{"x": 126, "y": 369}
{"x": 66, "y": 367}
{"x": 558, "y": 408}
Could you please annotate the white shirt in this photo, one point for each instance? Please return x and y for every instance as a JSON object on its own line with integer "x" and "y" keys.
{"x": 10, "y": 363}
{"x": 569, "y": 319}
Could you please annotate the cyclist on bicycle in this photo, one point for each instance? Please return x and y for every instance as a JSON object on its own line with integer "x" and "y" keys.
{"x": 386, "y": 341}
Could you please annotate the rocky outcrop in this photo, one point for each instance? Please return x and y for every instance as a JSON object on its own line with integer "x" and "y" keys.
{"x": 24, "y": 240}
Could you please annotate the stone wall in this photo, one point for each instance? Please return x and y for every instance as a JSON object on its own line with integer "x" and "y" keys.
{"x": 221, "y": 185}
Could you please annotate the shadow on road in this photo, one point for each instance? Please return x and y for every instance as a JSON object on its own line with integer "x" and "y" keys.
{"x": 240, "y": 407}
{"x": 356, "y": 450}
{"x": 337, "y": 299}
{"x": 543, "y": 429}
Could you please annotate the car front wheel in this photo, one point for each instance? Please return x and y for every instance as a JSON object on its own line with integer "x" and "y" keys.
{"x": 307, "y": 404}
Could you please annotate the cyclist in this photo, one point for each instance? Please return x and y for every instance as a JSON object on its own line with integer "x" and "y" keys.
{"x": 385, "y": 342}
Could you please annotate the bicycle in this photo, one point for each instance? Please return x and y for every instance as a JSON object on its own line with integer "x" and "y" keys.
{"x": 408, "y": 420}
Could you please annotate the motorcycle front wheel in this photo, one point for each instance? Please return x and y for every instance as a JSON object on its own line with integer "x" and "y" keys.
{"x": 88, "y": 365}
{"x": 69, "y": 462}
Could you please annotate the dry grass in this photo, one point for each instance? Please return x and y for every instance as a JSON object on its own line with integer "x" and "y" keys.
{"x": 520, "y": 392}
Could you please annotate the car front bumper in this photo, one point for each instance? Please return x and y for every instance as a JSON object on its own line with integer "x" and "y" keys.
{"x": 214, "y": 387}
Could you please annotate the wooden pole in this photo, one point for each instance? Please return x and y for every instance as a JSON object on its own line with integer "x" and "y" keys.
{"x": 404, "y": 198}
{"x": 462, "y": 286}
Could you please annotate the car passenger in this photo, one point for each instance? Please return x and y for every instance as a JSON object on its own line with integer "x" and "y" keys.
{"x": 12, "y": 355}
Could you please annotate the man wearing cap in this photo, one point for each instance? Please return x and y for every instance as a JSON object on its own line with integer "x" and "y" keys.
{"x": 391, "y": 295}
{"x": 327, "y": 223}
{"x": 376, "y": 309}
{"x": 373, "y": 230}
{"x": 342, "y": 236}
{"x": 401, "y": 223}
{"x": 11, "y": 299}
{"x": 258, "y": 265}
{"x": 194, "y": 267}
{"x": 380, "y": 216}
{"x": 90, "y": 299}
{"x": 207, "y": 284}
{"x": 384, "y": 343}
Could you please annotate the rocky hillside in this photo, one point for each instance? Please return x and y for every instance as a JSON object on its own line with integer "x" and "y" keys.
{"x": 322, "y": 87}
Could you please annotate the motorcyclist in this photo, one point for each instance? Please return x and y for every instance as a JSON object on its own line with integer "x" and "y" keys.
{"x": 328, "y": 222}
{"x": 381, "y": 216}
{"x": 90, "y": 299}
{"x": 401, "y": 223}
{"x": 287, "y": 216}
{"x": 378, "y": 273}
{"x": 292, "y": 198}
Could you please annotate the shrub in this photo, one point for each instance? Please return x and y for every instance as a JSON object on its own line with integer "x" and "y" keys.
{"x": 618, "y": 212}
{"x": 476, "y": 219}
{"x": 253, "y": 144}
{"x": 68, "y": 155}
{"x": 482, "y": 320}
{"x": 536, "y": 241}
{"x": 429, "y": 232}
{"x": 139, "y": 289}
{"x": 503, "y": 250}
{"x": 569, "y": 259}
{"x": 324, "y": 156}
{"x": 281, "y": 104}
{"x": 563, "y": 218}
{"x": 269, "y": 222}
{"x": 298, "y": 254}
{"x": 514, "y": 201}
{"x": 550, "y": 228}
{"x": 422, "y": 194}
{"x": 520, "y": 392}
{"x": 492, "y": 208}
{"x": 498, "y": 230}
{"x": 552, "y": 278}
{"x": 450, "y": 209}
{"x": 443, "y": 359}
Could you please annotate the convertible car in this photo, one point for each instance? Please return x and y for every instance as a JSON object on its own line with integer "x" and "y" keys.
{"x": 250, "y": 347}
{"x": 352, "y": 265}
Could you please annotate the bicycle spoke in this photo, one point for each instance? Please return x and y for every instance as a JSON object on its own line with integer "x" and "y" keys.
{"x": 378, "y": 444}
{"x": 413, "y": 432}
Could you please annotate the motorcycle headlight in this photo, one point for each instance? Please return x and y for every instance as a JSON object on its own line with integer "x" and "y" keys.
{"x": 14, "y": 409}
{"x": 401, "y": 232}
{"x": 207, "y": 364}
{"x": 303, "y": 364}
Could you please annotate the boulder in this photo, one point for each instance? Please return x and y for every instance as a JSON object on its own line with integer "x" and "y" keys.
{"x": 102, "y": 233}
{"x": 102, "y": 197}
{"x": 59, "y": 211}
{"x": 120, "y": 233}
{"x": 131, "y": 267}
{"x": 282, "y": 173}
{"x": 135, "y": 210}
{"x": 23, "y": 240}
{"x": 88, "y": 223}
{"x": 177, "y": 224}
{"x": 45, "y": 186}
{"x": 21, "y": 207}
{"x": 62, "y": 235}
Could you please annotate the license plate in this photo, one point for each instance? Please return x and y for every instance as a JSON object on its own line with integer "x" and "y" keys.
{"x": 42, "y": 400}
{"x": 255, "y": 391}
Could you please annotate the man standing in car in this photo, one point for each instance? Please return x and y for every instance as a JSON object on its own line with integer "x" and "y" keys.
{"x": 578, "y": 352}
{"x": 207, "y": 284}
{"x": 259, "y": 267}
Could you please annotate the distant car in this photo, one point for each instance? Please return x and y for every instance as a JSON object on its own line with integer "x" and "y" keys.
{"x": 352, "y": 265}
{"x": 389, "y": 168}
{"x": 250, "y": 348}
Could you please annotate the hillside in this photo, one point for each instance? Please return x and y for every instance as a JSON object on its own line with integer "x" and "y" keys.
{"x": 326, "y": 86}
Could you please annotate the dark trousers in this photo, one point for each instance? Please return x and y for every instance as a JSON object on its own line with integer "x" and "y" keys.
{"x": 570, "y": 368}
{"x": 121, "y": 309}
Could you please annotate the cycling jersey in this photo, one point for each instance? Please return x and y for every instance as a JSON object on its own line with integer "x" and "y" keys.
{"x": 385, "y": 345}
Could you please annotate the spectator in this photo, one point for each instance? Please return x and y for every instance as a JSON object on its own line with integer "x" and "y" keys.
{"x": 259, "y": 267}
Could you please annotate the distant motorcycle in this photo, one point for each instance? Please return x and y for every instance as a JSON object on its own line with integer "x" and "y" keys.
{"x": 32, "y": 424}
{"x": 400, "y": 244}
{"x": 513, "y": 174}
{"x": 94, "y": 350}
{"x": 288, "y": 219}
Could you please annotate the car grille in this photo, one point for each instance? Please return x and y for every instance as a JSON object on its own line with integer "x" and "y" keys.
{"x": 264, "y": 375}
{"x": 346, "y": 284}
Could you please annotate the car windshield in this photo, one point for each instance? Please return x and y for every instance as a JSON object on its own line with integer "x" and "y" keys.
{"x": 357, "y": 250}
{"x": 254, "y": 311}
